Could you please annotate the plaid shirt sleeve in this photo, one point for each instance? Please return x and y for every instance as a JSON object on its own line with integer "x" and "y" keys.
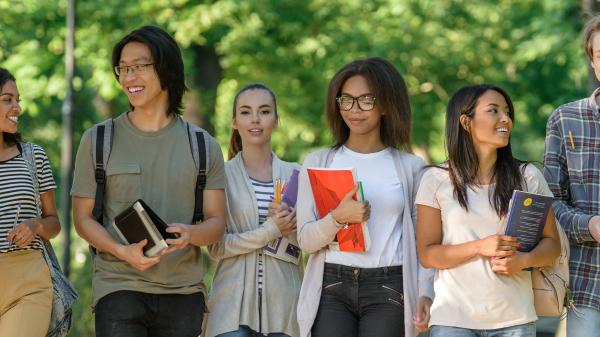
{"x": 556, "y": 171}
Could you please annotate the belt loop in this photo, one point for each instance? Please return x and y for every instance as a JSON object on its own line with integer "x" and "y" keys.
{"x": 385, "y": 271}
{"x": 339, "y": 271}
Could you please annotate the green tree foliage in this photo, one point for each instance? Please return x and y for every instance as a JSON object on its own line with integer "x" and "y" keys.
{"x": 532, "y": 48}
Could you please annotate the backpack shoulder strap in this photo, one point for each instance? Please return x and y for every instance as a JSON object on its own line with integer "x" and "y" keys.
{"x": 197, "y": 138}
{"x": 27, "y": 154}
{"x": 102, "y": 137}
{"x": 29, "y": 157}
{"x": 48, "y": 251}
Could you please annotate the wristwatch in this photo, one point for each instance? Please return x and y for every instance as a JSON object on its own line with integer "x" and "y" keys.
{"x": 342, "y": 225}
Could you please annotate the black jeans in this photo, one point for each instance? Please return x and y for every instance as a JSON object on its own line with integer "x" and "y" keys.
{"x": 136, "y": 314}
{"x": 360, "y": 302}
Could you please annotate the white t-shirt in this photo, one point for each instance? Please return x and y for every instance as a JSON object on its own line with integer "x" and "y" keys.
{"x": 383, "y": 190}
{"x": 471, "y": 295}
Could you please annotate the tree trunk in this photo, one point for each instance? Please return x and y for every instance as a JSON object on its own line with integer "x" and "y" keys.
{"x": 202, "y": 98}
{"x": 67, "y": 143}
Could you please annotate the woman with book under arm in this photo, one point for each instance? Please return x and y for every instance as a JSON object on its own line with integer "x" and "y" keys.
{"x": 481, "y": 288}
{"x": 259, "y": 272}
{"x": 381, "y": 291}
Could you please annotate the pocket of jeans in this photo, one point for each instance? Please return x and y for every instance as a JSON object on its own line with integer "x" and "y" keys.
{"x": 394, "y": 295}
{"x": 332, "y": 285}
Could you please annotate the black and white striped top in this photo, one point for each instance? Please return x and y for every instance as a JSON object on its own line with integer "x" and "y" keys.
{"x": 263, "y": 191}
{"x": 16, "y": 187}
{"x": 264, "y": 194}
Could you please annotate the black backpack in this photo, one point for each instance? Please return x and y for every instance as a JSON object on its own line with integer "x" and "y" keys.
{"x": 102, "y": 138}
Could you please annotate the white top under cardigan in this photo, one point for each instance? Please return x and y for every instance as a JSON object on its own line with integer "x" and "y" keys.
{"x": 314, "y": 236}
{"x": 233, "y": 300}
{"x": 382, "y": 188}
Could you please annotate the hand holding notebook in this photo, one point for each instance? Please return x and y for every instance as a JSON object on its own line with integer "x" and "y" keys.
{"x": 183, "y": 235}
{"x": 135, "y": 256}
{"x": 350, "y": 210}
{"x": 286, "y": 246}
{"x": 335, "y": 190}
{"x": 137, "y": 223}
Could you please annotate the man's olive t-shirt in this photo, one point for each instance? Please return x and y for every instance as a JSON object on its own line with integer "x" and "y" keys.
{"x": 158, "y": 168}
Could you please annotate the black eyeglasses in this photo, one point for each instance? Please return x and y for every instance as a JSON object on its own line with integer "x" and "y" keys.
{"x": 365, "y": 102}
{"x": 134, "y": 69}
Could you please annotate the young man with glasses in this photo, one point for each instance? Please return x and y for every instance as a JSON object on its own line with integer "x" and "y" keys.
{"x": 150, "y": 159}
{"x": 572, "y": 170}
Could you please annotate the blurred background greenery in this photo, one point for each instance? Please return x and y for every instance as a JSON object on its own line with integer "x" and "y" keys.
{"x": 532, "y": 48}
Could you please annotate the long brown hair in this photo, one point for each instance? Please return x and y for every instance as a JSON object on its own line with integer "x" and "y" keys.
{"x": 463, "y": 163}
{"x": 235, "y": 143}
{"x": 391, "y": 97}
{"x": 9, "y": 138}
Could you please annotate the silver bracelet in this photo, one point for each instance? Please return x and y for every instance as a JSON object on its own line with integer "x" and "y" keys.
{"x": 342, "y": 225}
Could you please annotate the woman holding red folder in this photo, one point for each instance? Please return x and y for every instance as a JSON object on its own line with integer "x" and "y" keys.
{"x": 254, "y": 291}
{"x": 480, "y": 286}
{"x": 383, "y": 291}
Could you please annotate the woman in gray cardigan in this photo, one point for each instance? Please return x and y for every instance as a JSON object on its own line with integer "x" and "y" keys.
{"x": 258, "y": 276}
{"x": 383, "y": 291}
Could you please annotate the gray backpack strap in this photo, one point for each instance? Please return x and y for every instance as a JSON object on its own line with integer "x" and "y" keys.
{"x": 27, "y": 154}
{"x": 197, "y": 138}
{"x": 102, "y": 138}
{"x": 64, "y": 293}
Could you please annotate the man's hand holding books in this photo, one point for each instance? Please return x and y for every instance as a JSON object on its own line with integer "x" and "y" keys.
{"x": 183, "y": 240}
{"x": 134, "y": 255}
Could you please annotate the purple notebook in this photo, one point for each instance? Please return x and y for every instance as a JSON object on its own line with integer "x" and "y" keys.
{"x": 291, "y": 191}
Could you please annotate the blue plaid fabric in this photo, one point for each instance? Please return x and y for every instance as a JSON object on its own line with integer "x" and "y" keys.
{"x": 572, "y": 169}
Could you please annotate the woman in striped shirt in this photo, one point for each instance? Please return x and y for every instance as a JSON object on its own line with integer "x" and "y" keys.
{"x": 258, "y": 276}
{"x": 25, "y": 285}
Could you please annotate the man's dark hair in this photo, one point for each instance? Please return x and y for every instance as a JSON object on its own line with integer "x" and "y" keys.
{"x": 167, "y": 60}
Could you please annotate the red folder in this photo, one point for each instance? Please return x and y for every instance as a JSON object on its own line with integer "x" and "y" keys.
{"x": 329, "y": 186}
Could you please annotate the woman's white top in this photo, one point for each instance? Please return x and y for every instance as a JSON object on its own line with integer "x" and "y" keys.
{"x": 383, "y": 190}
{"x": 471, "y": 295}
